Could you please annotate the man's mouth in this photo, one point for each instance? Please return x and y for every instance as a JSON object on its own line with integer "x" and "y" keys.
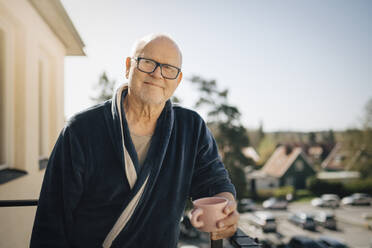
{"x": 152, "y": 84}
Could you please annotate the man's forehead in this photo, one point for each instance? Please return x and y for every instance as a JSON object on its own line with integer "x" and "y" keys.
{"x": 163, "y": 50}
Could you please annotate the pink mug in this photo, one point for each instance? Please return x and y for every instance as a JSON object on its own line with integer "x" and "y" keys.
{"x": 207, "y": 212}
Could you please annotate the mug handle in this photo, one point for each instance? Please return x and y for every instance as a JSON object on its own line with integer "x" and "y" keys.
{"x": 194, "y": 218}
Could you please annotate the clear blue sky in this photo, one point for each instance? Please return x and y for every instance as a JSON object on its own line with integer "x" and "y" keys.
{"x": 294, "y": 65}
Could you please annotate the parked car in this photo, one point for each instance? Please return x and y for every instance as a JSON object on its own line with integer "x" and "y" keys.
{"x": 264, "y": 220}
{"x": 331, "y": 242}
{"x": 246, "y": 205}
{"x": 304, "y": 220}
{"x": 275, "y": 203}
{"x": 357, "y": 199}
{"x": 326, "y": 200}
{"x": 326, "y": 219}
{"x": 304, "y": 242}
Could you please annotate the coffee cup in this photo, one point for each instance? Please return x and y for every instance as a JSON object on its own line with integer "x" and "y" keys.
{"x": 207, "y": 212}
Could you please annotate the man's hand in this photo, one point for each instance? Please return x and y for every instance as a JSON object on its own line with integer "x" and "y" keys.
{"x": 229, "y": 224}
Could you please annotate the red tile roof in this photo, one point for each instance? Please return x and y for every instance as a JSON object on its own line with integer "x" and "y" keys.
{"x": 335, "y": 160}
{"x": 280, "y": 161}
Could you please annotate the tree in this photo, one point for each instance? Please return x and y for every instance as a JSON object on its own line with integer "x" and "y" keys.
{"x": 176, "y": 100}
{"x": 261, "y": 133}
{"x": 368, "y": 115}
{"x": 231, "y": 136}
{"x": 105, "y": 89}
{"x": 330, "y": 138}
{"x": 359, "y": 143}
{"x": 312, "y": 138}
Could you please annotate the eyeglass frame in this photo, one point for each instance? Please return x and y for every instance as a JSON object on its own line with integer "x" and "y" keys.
{"x": 157, "y": 64}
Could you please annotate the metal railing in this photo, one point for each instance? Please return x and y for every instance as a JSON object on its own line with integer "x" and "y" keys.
{"x": 238, "y": 240}
{"x": 18, "y": 203}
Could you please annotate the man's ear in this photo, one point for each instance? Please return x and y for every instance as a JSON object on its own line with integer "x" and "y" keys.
{"x": 179, "y": 79}
{"x": 127, "y": 65}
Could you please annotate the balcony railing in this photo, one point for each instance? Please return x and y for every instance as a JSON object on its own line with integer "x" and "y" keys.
{"x": 238, "y": 240}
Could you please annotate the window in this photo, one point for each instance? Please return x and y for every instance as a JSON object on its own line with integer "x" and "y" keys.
{"x": 299, "y": 165}
{"x": 289, "y": 181}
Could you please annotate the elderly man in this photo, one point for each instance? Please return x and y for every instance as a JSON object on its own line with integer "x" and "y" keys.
{"x": 121, "y": 172}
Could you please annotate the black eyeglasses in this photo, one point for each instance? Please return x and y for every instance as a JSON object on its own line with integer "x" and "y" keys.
{"x": 149, "y": 66}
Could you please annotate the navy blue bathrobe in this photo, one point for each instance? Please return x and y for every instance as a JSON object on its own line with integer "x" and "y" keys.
{"x": 85, "y": 188}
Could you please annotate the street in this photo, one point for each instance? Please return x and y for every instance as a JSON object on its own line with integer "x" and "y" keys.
{"x": 352, "y": 226}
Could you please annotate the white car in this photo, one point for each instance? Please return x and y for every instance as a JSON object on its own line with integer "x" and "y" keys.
{"x": 264, "y": 220}
{"x": 357, "y": 199}
{"x": 326, "y": 200}
{"x": 274, "y": 203}
{"x": 326, "y": 219}
{"x": 305, "y": 220}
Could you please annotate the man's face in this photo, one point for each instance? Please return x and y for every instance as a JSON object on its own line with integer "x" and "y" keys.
{"x": 152, "y": 88}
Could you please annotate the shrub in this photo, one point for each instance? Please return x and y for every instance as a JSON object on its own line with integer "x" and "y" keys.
{"x": 359, "y": 186}
{"x": 283, "y": 191}
{"x": 319, "y": 187}
{"x": 263, "y": 194}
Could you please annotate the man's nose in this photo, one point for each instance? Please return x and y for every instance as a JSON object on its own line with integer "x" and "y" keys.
{"x": 157, "y": 72}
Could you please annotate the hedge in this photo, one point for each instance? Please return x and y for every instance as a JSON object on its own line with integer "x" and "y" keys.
{"x": 319, "y": 187}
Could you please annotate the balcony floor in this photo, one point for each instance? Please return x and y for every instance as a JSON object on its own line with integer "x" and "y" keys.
{"x": 16, "y": 222}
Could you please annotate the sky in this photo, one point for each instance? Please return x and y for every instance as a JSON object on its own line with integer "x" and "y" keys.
{"x": 290, "y": 64}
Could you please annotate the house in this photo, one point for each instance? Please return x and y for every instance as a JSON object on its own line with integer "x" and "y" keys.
{"x": 289, "y": 166}
{"x": 260, "y": 180}
{"x": 35, "y": 37}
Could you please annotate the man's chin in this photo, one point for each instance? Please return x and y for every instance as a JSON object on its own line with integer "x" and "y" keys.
{"x": 152, "y": 100}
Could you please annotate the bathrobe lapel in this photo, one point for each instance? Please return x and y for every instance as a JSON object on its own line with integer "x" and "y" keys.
{"x": 141, "y": 180}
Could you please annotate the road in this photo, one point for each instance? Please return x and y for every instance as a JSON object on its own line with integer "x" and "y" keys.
{"x": 352, "y": 227}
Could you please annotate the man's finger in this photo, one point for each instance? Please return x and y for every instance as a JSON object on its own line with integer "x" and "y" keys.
{"x": 232, "y": 219}
{"x": 228, "y": 232}
{"x": 230, "y": 207}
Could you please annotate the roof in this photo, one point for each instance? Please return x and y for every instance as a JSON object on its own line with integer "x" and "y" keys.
{"x": 60, "y": 23}
{"x": 250, "y": 152}
{"x": 335, "y": 160}
{"x": 280, "y": 161}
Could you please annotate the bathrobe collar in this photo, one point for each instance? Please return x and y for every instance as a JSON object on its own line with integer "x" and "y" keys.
{"x": 141, "y": 180}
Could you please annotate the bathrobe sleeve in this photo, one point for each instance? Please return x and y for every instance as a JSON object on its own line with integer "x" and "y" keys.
{"x": 60, "y": 193}
{"x": 210, "y": 176}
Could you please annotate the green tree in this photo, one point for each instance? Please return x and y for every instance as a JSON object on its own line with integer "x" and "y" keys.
{"x": 312, "y": 138}
{"x": 368, "y": 115}
{"x": 359, "y": 143}
{"x": 329, "y": 138}
{"x": 176, "y": 99}
{"x": 105, "y": 88}
{"x": 261, "y": 133}
{"x": 231, "y": 136}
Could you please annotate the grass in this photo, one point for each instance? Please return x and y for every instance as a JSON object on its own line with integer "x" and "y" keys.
{"x": 304, "y": 199}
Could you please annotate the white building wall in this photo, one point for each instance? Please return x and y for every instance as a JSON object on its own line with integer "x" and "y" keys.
{"x": 28, "y": 40}
{"x": 267, "y": 183}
